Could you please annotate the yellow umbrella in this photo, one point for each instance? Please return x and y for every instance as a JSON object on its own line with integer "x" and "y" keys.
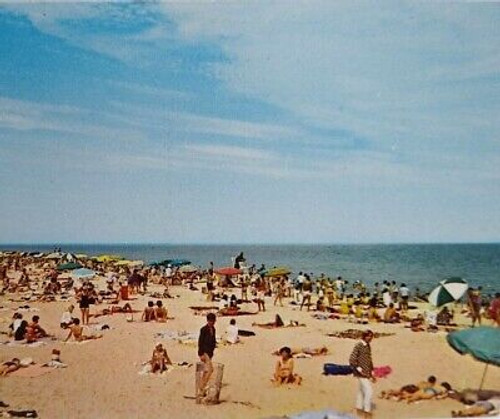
{"x": 129, "y": 262}
{"x": 108, "y": 258}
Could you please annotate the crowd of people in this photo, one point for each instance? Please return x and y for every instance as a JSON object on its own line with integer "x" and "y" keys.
{"x": 386, "y": 302}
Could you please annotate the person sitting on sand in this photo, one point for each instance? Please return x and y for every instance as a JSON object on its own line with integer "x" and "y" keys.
{"x": 149, "y": 312}
{"x": 21, "y": 331}
{"x": 320, "y": 304}
{"x": 444, "y": 317}
{"x": 17, "y": 319}
{"x": 34, "y": 331}
{"x": 283, "y": 373}
{"x": 391, "y": 315}
{"x": 432, "y": 392}
{"x": 232, "y": 332}
{"x": 479, "y": 408}
{"x": 76, "y": 331}
{"x": 160, "y": 359}
{"x": 161, "y": 313}
{"x": 67, "y": 317}
{"x": 408, "y": 389}
{"x": 10, "y": 366}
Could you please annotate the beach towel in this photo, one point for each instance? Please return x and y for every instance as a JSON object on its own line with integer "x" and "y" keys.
{"x": 382, "y": 372}
{"x": 335, "y": 369}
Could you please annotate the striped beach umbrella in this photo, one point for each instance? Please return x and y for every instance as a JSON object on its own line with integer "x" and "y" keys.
{"x": 448, "y": 291}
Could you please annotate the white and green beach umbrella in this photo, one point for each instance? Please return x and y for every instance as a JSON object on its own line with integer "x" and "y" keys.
{"x": 448, "y": 291}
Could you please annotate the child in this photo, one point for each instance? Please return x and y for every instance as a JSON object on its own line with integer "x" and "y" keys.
{"x": 283, "y": 373}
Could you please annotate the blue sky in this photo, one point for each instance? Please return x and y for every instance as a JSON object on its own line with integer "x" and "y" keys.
{"x": 250, "y": 122}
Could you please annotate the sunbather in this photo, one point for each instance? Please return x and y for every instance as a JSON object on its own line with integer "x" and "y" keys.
{"x": 76, "y": 331}
{"x": 10, "y": 366}
{"x": 283, "y": 373}
{"x": 160, "y": 359}
{"x": 479, "y": 408}
{"x": 161, "y": 313}
{"x": 149, "y": 312}
{"x": 433, "y": 392}
{"x": 278, "y": 322}
{"x": 323, "y": 350}
{"x": 408, "y": 389}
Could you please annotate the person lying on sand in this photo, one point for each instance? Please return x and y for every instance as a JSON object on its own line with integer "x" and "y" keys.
{"x": 283, "y": 373}
{"x": 76, "y": 331}
{"x": 323, "y": 350}
{"x": 479, "y": 408}
{"x": 408, "y": 389}
{"x": 278, "y": 322}
{"x": 10, "y": 366}
{"x": 434, "y": 392}
{"x": 160, "y": 359}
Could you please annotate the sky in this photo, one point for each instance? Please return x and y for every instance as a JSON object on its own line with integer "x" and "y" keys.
{"x": 250, "y": 122}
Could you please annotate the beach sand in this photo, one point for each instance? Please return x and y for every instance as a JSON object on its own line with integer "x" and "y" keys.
{"x": 103, "y": 381}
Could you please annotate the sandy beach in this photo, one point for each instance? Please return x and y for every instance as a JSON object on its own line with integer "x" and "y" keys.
{"x": 102, "y": 379}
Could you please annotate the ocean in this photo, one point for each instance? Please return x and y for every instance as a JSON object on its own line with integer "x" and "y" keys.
{"x": 417, "y": 265}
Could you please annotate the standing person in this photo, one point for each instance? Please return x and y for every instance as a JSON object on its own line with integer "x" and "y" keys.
{"x": 239, "y": 260}
{"x": 280, "y": 290}
{"x": 474, "y": 302}
{"x": 206, "y": 347}
{"x": 404, "y": 293}
{"x": 494, "y": 309}
{"x": 362, "y": 365}
{"x": 83, "y": 299}
{"x": 306, "y": 292}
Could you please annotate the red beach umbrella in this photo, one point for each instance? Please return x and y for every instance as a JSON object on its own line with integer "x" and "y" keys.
{"x": 229, "y": 271}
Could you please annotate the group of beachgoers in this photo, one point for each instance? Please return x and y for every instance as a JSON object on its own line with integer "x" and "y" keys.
{"x": 37, "y": 279}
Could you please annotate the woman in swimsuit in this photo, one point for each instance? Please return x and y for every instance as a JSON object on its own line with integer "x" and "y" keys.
{"x": 84, "y": 303}
{"x": 283, "y": 373}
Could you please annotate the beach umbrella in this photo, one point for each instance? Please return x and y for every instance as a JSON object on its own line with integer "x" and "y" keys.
{"x": 448, "y": 291}
{"x": 108, "y": 258}
{"x": 278, "y": 271}
{"x": 83, "y": 273}
{"x": 68, "y": 266}
{"x": 177, "y": 262}
{"x": 228, "y": 271}
{"x": 188, "y": 269}
{"x": 55, "y": 255}
{"x": 483, "y": 343}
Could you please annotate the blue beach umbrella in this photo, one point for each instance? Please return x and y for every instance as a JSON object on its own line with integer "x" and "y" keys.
{"x": 483, "y": 343}
{"x": 83, "y": 273}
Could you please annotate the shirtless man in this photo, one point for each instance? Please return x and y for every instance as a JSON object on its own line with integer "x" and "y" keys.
{"x": 149, "y": 313}
{"x": 161, "y": 313}
{"x": 76, "y": 331}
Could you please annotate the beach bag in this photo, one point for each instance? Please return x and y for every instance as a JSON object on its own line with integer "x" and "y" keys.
{"x": 334, "y": 369}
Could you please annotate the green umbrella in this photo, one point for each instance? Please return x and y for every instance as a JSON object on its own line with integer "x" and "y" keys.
{"x": 448, "y": 291}
{"x": 483, "y": 343}
{"x": 68, "y": 266}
